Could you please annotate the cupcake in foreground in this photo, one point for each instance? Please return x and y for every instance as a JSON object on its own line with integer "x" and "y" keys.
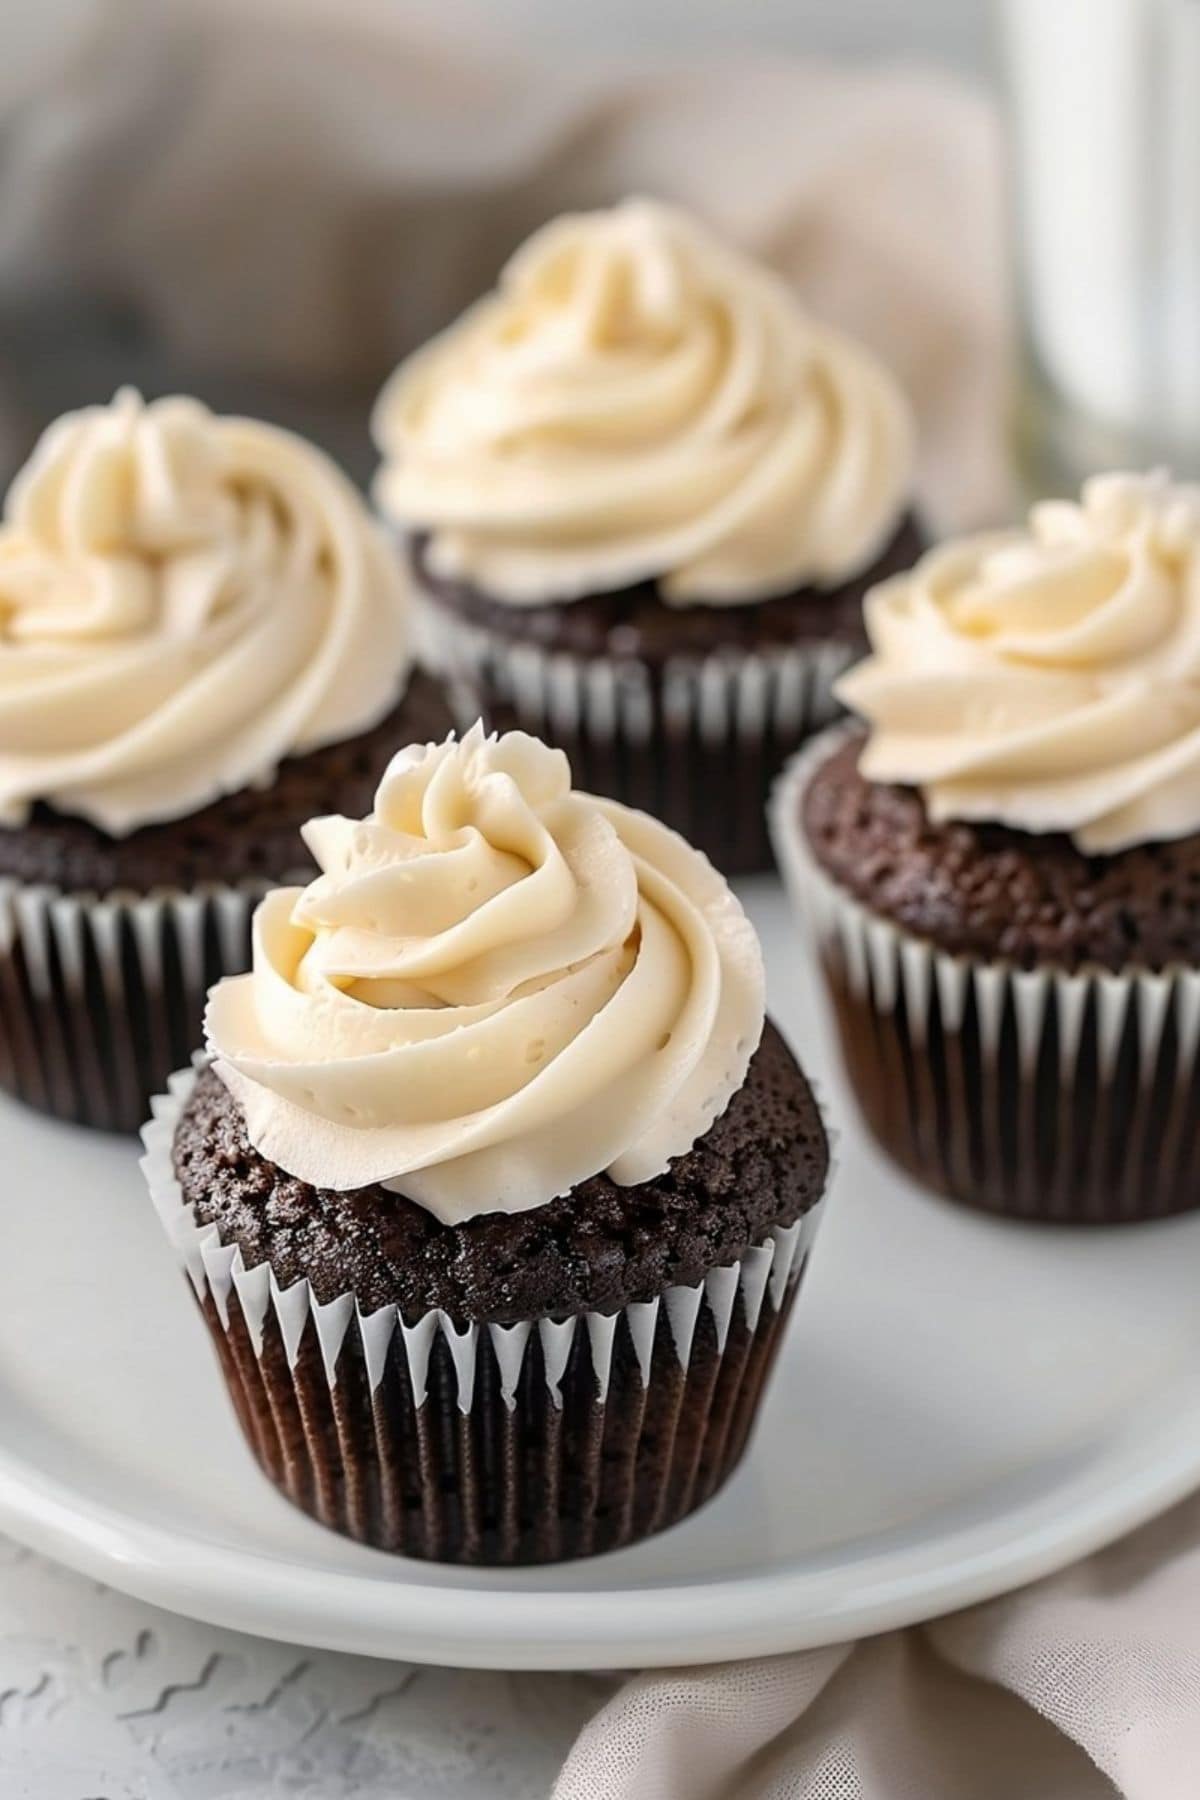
{"x": 203, "y": 640}
{"x": 497, "y": 1192}
{"x": 644, "y": 494}
{"x": 1003, "y": 875}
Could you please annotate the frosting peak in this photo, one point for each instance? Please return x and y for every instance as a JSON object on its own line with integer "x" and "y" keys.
{"x": 184, "y": 601}
{"x": 638, "y": 400}
{"x": 1048, "y": 679}
{"x": 496, "y": 988}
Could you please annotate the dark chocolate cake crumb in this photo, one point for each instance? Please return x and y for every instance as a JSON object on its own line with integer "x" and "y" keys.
{"x": 992, "y": 892}
{"x": 243, "y": 836}
{"x": 634, "y": 623}
{"x": 763, "y": 1162}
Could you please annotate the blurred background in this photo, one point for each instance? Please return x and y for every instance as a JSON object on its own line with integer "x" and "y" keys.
{"x": 267, "y": 203}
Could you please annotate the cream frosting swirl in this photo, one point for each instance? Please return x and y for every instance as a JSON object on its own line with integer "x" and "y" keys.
{"x": 639, "y": 400}
{"x": 496, "y": 988}
{"x": 184, "y": 601}
{"x": 1048, "y": 679}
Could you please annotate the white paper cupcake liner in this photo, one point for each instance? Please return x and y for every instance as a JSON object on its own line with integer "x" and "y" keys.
{"x": 1067, "y": 1096}
{"x": 101, "y": 997}
{"x": 486, "y": 1442}
{"x": 696, "y": 742}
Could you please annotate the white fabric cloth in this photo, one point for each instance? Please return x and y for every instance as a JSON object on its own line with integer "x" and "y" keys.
{"x": 301, "y": 190}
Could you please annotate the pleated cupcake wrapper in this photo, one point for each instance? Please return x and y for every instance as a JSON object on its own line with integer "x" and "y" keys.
{"x": 785, "y": 690}
{"x": 489, "y": 1363}
{"x": 1117, "y": 1051}
{"x": 659, "y": 739}
{"x": 102, "y": 997}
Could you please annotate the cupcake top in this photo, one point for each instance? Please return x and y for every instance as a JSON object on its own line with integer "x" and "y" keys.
{"x": 497, "y": 988}
{"x": 639, "y": 401}
{"x": 185, "y": 600}
{"x": 1048, "y": 679}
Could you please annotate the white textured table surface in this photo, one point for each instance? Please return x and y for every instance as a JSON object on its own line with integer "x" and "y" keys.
{"x": 102, "y": 1698}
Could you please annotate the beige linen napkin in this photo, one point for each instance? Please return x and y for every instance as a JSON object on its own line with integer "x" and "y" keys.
{"x": 1083, "y": 1687}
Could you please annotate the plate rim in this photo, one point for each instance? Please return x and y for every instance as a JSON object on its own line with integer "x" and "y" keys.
{"x": 476, "y": 1626}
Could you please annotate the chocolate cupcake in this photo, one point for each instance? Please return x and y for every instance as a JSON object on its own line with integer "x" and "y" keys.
{"x": 497, "y": 1194}
{"x": 203, "y": 639}
{"x": 1003, "y": 875}
{"x": 644, "y": 495}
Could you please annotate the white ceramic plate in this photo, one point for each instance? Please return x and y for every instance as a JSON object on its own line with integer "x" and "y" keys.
{"x": 961, "y": 1406}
